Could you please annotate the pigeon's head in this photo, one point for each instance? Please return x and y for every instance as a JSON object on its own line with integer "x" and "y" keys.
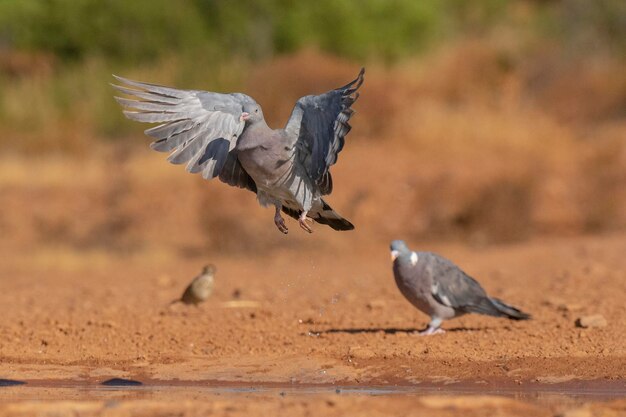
{"x": 209, "y": 269}
{"x": 399, "y": 248}
{"x": 401, "y": 252}
{"x": 252, "y": 113}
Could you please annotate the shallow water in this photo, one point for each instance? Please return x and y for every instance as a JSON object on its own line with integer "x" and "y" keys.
{"x": 565, "y": 393}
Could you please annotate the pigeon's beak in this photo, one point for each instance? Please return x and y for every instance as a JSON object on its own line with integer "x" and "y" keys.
{"x": 245, "y": 116}
{"x": 394, "y": 255}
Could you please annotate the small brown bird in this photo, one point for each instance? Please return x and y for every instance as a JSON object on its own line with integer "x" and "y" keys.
{"x": 200, "y": 288}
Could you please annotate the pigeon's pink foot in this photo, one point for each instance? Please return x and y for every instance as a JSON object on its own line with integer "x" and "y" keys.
{"x": 280, "y": 222}
{"x": 303, "y": 222}
{"x": 431, "y": 331}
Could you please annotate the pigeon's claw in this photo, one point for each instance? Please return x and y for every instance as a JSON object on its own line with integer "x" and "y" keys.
{"x": 429, "y": 331}
{"x": 280, "y": 223}
{"x": 302, "y": 221}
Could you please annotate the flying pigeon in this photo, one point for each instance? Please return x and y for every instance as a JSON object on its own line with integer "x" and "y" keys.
{"x": 200, "y": 288}
{"x": 226, "y": 136}
{"x": 442, "y": 290}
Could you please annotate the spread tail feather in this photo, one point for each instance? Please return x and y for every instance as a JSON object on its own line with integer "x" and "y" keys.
{"x": 327, "y": 216}
{"x": 330, "y": 217}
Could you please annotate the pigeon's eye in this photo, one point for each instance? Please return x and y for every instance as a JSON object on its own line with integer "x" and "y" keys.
{"x": 256, "y": 110}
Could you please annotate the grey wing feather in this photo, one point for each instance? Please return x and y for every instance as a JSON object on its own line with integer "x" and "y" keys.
{"x": 232, "y": 173}
{"x": 318, "y": 125}
{"x": 199, "y": 128}
{"x": 454, "y": 288}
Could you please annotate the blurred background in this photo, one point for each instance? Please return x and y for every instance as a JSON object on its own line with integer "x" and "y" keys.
{"x": 481, "y": 123}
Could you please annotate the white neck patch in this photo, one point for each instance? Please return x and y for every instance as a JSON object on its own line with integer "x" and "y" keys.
{"x": 413, "y": 258}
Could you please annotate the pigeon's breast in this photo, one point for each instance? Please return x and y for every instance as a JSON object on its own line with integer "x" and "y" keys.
{"x": 414, "y": 284}
{"x": 263, "y": 165}
{"x": 276, "y": 176}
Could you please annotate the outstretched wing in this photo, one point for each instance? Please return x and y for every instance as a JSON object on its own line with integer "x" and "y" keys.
{"x": 199, "y": 128}
{"x": 318, "y": 125}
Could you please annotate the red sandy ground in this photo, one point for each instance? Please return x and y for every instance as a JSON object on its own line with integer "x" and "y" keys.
{"x": 332, "y": 315}
{"x": 94, "y": 249}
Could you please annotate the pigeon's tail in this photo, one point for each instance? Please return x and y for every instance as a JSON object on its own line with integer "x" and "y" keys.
{"x": 330, "y": 217}
{"x": 497, "y": 308}
{"x": 508, "y": 311}
{"x": 326, "y": 216}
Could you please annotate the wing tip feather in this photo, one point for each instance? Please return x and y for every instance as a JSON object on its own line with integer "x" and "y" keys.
{"x": 358, "y": 80}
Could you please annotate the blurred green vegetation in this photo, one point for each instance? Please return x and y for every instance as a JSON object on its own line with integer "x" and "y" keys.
{"x": 136, "y": 30}
{"x": 56, "y": 56}
{"x": 133, "y": 31}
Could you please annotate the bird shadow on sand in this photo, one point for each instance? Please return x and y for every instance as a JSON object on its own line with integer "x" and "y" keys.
{"x": 391, "y": 330}
{"x": 10, "y": 382}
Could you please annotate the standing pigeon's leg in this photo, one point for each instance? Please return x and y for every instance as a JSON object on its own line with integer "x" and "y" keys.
{"x": 303, "y": 224}
{"x": 279, "y": 221}
{"x": 433, "y": 327}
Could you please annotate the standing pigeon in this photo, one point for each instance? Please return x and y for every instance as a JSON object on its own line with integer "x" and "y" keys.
{"x": 200, "y": 288}
{"x": 440, "y": 289}
{"x": 226, "y": 136}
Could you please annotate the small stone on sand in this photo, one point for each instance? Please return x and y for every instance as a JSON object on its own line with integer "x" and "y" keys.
{"x": 595, "y": 320}
{"x": 376, "y": 304}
